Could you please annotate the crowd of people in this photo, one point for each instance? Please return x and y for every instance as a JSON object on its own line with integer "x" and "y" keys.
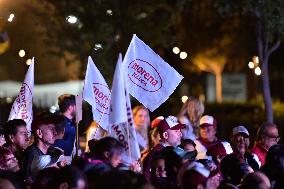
{"x": 181, "y": 152}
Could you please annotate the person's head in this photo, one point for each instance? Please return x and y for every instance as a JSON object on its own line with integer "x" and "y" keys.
{"x": 208, "y": 128}
{"x": 219, "y": 151}
{"x": 67, "y": 104}
{"x": 46, "y": 178}
{"x": 193, "y": 108}
{"x": 43, "y": 128}
{"x": 234, "y": 168}
{"x": 154, "y": 137}
{"x": 109, "y": 150}
{"x": 195, "y": 177}
{"x": 141, "y": 117}
{"x": 59, "y": 126}
{"x": 8, "y": 162}
{"x": 274, "y": 162}
{"x": 16, "y": 133}
{"x": 256, "y": 180}
{"x": 267, "y": 135}
{"x": 170, "y": 131}
{"x": 10, "y": 180}
{"x": 71, "y": 177}
{"x": 240, "y": 139}
{"x": 187, "y": 145}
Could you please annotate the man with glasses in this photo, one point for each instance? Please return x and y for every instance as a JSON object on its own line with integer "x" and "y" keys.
{"x": 267, "y": 136}
{"x": 43, "y": 130}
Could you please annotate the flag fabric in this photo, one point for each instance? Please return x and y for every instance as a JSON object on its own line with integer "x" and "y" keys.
{"x": 96, "y": 92}
{"x": 150, "y": 79}
{"x": 22, "y": 107}
{"x": 121, "y": 120}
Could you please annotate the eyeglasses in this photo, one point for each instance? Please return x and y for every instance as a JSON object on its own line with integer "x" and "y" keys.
{"x": 275, "y": 138}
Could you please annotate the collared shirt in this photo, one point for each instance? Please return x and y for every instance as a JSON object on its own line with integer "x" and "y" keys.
{"x": 260, "y": 152}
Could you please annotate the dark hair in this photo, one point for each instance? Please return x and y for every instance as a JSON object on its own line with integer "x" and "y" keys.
{"x": 254, "y": 181}
{"x": 11, "y": 128}
{"x": 192, "y": 178}
{"x": 71, "y": 175}
{"x": 108, "y": 144}
{"x": 233, "y": 169}
{"x": 46, "y": 178}
{"x": 43, "y": 118}
{"x": 185, "y": 142}
{"x": 274, "y": 162}
{"x": 64, "y": 101}
{"x": 59, "y": 123}
{"x": 3, "y": 153}
{"x": 15, "y": 179}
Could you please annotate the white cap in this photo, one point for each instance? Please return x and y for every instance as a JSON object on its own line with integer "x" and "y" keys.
{"x": 227, "y": 147}
{"x": 207, "y": 120}
{"x": 240, "y": 129}
{"x": 172, "y": 121}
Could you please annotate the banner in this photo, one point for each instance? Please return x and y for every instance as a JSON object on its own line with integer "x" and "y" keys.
{"x": 96, "y": 92}
{"x": 22, "y": 107}
{"x": 150, "y": 79}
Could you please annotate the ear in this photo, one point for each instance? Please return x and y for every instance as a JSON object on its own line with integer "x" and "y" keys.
{"x": 107, "y": 154}
{"x": 39, "y": 133}
{"x": 11, "y": 137}
{"x": 63, "y": 185}
{"x": 165, "y": 135}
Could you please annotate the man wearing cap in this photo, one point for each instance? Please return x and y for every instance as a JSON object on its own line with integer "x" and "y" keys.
{"x": 267, "y": 136}
{"x": 170, "y": 132}
{"x": 208, "y": 129}
{"x": 240, "y": 144}
{"x": 43, "y": 130}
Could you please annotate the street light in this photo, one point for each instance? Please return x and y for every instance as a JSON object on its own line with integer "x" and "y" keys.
{"x": 29, "y": 62}
{"x": 176, "y": 50}
{"x": 22, "y": 53}
{"x": 71, "y": 19}
{"x": 257, "y": 71}
{"x": 184, "y": 98}
{"x": 254, "y": 64}
{"x": 183, "y": 55}
{"x": 11, "y": 17}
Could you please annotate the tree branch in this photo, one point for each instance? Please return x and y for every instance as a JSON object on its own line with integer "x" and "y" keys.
{"x": 274, "y": 47}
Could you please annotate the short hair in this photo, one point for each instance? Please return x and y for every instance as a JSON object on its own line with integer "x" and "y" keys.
{"x": 43, "y": 118}
{"x": 64, "y": 101}
{"x": 255, "y": 180}
{"x": 262, "y": 130}
{"x": 11, "y": 128}
{"x": 108, "y": 144}
{"x": 59, "y": 123}
{"x": 185, "y": 142}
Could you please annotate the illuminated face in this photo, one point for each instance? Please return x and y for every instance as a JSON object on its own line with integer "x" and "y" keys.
{"x": 173, "y": 137}
{"x": 208, "y": 133}
{"x": 141, "y": 118}
{"x": 115, "y": 160}
{"x": 48, "y": 133}
{"x": 271, "y": 137}
{"x": 21, "y": 138}
{"x": 240, "y": 143}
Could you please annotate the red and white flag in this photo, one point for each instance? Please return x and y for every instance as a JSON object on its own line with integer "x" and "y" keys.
{"x": 96, "y": 92}
{"x": 121, "y": 120}
{"x": 22, "y": 107}
{"x": 150, "y": 79}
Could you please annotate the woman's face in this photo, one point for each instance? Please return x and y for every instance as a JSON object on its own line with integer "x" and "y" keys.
{"x": 141, "y": 118}
{"x": 115, "y": 160}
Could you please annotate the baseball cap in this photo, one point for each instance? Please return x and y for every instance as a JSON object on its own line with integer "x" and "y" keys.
{"x": 171, "y": 122}
{"x": 156, "y": 121}
{"x": 240, "y": 129}
{"x": 207, "y": 121}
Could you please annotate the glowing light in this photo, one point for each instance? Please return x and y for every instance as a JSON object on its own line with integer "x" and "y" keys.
{"x": 72, "y": 19}
{"x": 251, "y": 65}
{"x": 9, "y": 100}
{"x": 256, "y": 59}
{"x": 11, "y": 17}
{"x": 176, "y": 50}
{"x": 257, "y": 71}
{"x": 52, "y": 109}
{"x": 29, "y": 62}
{"x": 22, "y": 53}
{"x": 183, "y": 55}
{"x": 184, "y": 98}
{"x": 98, "y": 46}
{"x": 109, "y": 12}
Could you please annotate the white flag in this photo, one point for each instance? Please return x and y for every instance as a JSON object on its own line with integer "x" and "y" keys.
{"x": 96, "y": 92}
{"x": 121, "y": 120}
{"x": 151, "y": 80}
{"x": 23, "y": 105}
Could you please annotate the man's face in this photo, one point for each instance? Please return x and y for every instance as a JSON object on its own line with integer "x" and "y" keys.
{"x": 48, "y": 133}
{"x": 173, "y": 137}
{"x": 240, "y": 143}
{"x": 21, "y": 138}
{"x": 208, "y": 133}
{"x": 141, "y": 118}
{"x": 12, "y": 163}
{"x": 271, "y": 137}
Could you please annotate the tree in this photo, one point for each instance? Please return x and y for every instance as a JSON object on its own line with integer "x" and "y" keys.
{"x": 268, "y": 20}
